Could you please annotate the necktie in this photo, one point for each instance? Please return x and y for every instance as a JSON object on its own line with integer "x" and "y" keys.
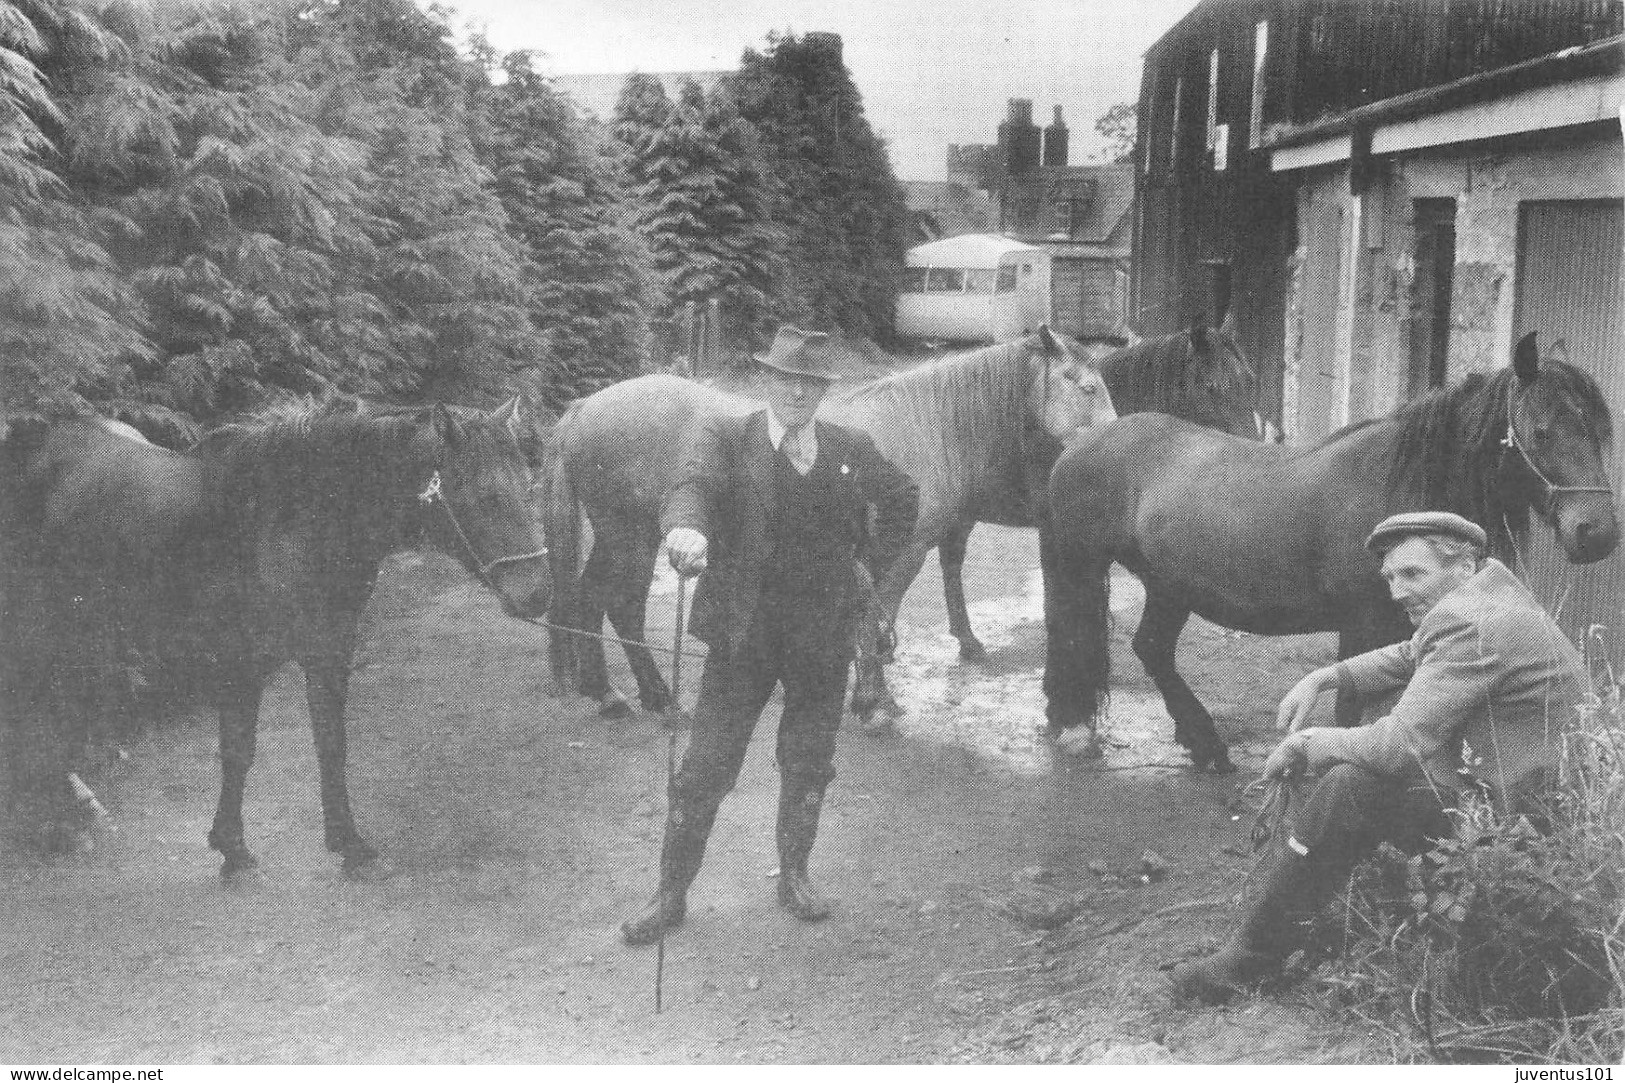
{"x": 797, "y": 451}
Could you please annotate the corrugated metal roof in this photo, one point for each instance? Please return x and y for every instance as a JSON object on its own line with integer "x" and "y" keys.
{"x": 969, "y": 250}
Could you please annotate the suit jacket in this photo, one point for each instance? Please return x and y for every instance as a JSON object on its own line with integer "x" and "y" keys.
{"x": 1490, "y": 684}
{"x": 726, "y": 491}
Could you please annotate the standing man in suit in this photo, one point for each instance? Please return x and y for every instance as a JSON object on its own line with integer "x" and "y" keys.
{"x": 771, "y": 512}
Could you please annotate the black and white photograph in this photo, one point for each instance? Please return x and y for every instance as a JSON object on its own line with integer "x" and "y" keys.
{"x": 830, "y": 532}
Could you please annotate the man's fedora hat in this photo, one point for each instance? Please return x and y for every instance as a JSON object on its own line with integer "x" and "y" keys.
{"x": 803, "y": 353}
{"x": 1396, "y": 528}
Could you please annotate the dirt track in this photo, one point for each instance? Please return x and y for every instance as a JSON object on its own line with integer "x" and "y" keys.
{"x": 522, "y": 829}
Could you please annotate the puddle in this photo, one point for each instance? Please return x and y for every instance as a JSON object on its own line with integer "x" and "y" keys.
{"x": 1000, "y": 714}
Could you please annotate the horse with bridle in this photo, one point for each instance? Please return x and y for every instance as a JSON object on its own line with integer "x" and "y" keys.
{"x": 1269, "y": 539}
{"x": 972, "y": 429}
{"x": 270, "y": 533}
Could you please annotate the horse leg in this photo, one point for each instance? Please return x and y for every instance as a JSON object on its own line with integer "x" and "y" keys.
{"x": 628, "y": 615}
{"x": 327, "y": 685}
{"x": 869, "y": 691}
{"x": 597, "y": 583}
{"x": 1155, "y": 642}
{"x": 951, "y": 555}
{"x": 1077, "y": 623}
{"x": 238, "y": 699}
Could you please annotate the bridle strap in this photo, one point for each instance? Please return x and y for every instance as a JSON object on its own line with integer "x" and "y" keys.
{"x": 1510, "y": 440}
{"x": 432, "y": 494}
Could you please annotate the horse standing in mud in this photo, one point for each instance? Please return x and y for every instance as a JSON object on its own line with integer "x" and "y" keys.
{"x": 972, "y": 430}
{"x": 271, "y": 533}
{"x": 1270, "y": 540}
{"x": 1199, "y": 374}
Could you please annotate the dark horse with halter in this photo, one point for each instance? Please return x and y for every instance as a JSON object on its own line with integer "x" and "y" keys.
{"x": 1199, "y": 374}
{"x": 973, "y": 430}
{"x": 1269, "y": 540}
{"x": 271, "y": 533}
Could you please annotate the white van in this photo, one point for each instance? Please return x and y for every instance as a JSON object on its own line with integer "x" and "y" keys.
{"x": 979, "y": 287}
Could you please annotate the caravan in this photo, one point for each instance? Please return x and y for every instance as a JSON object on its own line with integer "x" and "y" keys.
{"x": 975, "y": 288}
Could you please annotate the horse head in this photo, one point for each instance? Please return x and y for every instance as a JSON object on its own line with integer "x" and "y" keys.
{"x": 477, "y": 505}
{"x": 1559, "y": 434}
{"x": 1068, "y": 393}
{"x": 1220, "y": 388}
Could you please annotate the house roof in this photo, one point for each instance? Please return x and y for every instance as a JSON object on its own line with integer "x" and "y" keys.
{"x": 968, "y": 250}
{"x": 947, "y": 209}
{"x": 1112, "y": 197}
{"x": 598, "y": 92}
{"x": 1600, "y": 58}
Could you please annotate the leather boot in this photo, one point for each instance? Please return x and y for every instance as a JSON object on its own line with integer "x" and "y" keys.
{"x": 680, "y": 855}
{"x": 1291, "y": 890}
{"x": 799, "y": 807}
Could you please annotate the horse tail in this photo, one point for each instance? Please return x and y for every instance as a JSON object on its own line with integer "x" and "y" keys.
{"x": 561, "y": 524}
{"x": 1077, "y": 623}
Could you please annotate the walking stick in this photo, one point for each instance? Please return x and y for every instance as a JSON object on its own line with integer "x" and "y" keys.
{"x": 671, "y": 762}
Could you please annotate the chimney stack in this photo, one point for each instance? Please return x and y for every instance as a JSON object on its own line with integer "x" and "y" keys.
{"x": 1055, "y": 141}
{"x": 1019, "y": 139}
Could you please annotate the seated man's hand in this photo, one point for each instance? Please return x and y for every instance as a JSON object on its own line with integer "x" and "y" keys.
{"x": 1288, "y": 761}
{"x": 1298, "y": 704}
{"x": 686, "y": 548}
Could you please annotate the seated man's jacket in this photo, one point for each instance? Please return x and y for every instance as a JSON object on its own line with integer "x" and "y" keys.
{"x": 1490, "y": 685}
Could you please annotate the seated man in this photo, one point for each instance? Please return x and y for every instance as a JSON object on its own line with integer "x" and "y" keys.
{"x": 1490, "y": 684}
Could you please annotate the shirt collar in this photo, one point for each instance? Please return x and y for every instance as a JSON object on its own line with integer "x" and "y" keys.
{"x": 776, "y": 432}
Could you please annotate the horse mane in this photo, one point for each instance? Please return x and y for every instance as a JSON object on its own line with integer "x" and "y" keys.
{"x": 1444, "y": 450}
{"x": 952, "y": 418}
{"x": 1165, "y": 374}
{"x": 339, "y": 450}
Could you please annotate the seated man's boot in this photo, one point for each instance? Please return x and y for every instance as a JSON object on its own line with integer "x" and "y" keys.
{"x": 799, "y": 807}
{"x": 680, "y": 857}
{"x": 1291, "y": 890}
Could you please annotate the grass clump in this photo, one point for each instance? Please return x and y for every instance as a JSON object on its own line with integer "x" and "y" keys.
{"x": 1505, "y": 943}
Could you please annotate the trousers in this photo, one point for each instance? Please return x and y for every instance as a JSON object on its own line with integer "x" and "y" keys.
{"x": 811, "y": 663}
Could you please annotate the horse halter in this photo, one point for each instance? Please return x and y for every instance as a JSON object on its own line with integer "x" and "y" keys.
{"x": 1510, "y": 440}
{"x": 432, "y": 494}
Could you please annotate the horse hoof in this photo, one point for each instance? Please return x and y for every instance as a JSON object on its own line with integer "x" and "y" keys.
{"x": 615, "y": 710}
{"x": 972, "y": 652}
{"x": 676, "y": 718}
{"x": 369, "y": 869}
{"x": 244, "y": 878}
{"x": 240, "y": 871}
{"x": 1216, "y": 764}
{"x": 1082, "y": 743}
{"x": 873, "y": 724}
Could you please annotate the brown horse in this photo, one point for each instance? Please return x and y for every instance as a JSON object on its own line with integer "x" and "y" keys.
{"x": 1199, "y": 374}
{"x": 1270, "y": 540}
{"x": 271, "y": 533}
{"x": 969, "y": 429}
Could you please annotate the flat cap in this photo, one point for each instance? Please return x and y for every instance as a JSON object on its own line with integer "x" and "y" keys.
{"x": 1396, "y": 528}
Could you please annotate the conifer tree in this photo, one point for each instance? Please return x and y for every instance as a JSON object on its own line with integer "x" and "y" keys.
{"x": 705, "y": 213}
{"x": 838, "y": 201}
{"x": 564, "y": 194}
{"x": 68, "y": 323}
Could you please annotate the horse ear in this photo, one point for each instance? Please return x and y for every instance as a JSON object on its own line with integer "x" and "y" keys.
{"x": 1526, "y": 358}
{"x": 1559, "y": 351}
{"x": 1228, "y": 327}
{"x": 509, "y": 416}
{"x": 1047, "y": 337}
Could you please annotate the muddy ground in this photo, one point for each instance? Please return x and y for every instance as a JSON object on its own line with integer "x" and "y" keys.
{"x": 522, "y": 829}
